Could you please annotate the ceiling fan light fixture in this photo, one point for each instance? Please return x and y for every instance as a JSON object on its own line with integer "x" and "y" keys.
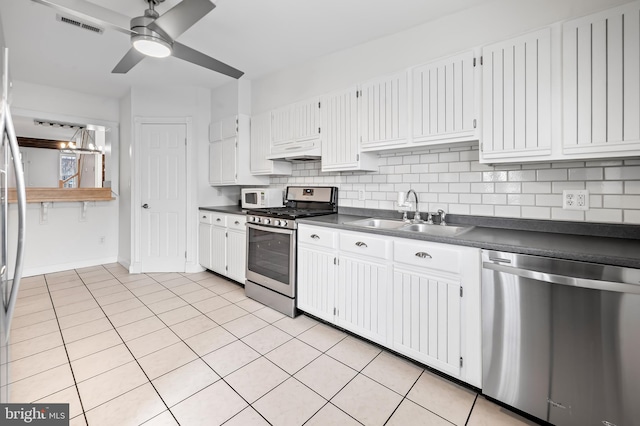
{"x": 151, "y": 46}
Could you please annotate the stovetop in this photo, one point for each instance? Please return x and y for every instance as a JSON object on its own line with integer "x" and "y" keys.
{"x": 290, "y": 212}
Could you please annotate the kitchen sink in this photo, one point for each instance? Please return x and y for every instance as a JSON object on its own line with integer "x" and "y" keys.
{"x": 448, "y": 231}
{"x": 399, "y": 225}
{"x": 378, "y": 223}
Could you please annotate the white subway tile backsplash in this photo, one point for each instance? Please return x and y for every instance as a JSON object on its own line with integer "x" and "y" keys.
{"x": 522, "y": 176}
{"x": 604, "y": 215}
{"x": 593, "y": 173}
{"x": 454, "y": 180}
{"x": 551, "y": 175}
{"x": 495, "y": 176}
{"x": 622, "y": 173}
{"x": 536, "y": 212}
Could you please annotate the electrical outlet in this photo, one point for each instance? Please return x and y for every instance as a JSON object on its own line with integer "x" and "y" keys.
{"x": 575, "y": 199}
{"x": 361, "y": 195}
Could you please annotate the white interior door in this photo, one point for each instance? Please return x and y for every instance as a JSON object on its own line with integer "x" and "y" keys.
{"x": 163, "y": 197}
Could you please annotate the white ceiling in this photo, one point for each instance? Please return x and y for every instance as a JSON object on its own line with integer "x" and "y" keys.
{"x": 255, "y": 36}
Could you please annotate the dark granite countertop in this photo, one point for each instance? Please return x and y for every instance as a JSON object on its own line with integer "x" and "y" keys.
{"x": 224, "y": 209}
{"x": 587, "y": 248}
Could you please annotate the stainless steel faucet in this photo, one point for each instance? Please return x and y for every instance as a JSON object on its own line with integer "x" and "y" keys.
{"x": 442, "y": 217}
{"x": 416, "y": 215}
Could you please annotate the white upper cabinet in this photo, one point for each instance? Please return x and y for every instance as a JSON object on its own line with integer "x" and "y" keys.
{"x": 340, "y": 143}
{"x": 261, "y": 148}
{"x": 443, "y": 99}
{"x": 228, "y": 151}
{"x": 516, "y": 82}
{"x": 296, "y": 128}
{"x": 383, "y": 110}
{"x": 601, "y": 80}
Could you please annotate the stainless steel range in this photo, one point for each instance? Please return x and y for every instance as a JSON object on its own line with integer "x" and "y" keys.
{"x": 271, "y": 245}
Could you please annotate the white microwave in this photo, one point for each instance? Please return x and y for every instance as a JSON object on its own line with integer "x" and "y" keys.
{"x": 261, "y": 198}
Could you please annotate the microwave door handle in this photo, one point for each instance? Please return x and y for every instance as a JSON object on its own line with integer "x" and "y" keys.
{"x": 22, "y": 216}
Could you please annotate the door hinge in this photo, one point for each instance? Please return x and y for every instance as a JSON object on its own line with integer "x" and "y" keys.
{"x": 475, "y": 123}
{"x": 185, "y": 141}
{"x": 357, "y": 94}
{"x": 481, "y": 147}
{"x": 335, "y": 311}
{"x": 226, "y": 268}
{"x": 357, "y": 157}
{"x": 336, "y": 261}
{"x": 185, "y": 254}
{"x": 461, "y": 292}
{"x": 319, "y": 130}
{"x": 480, "y": 60}
{"x": 226, "y": 234}
{"x": 474, "y": 62}
{"x": 319, "y": 105}
{"x": 461, "y": 362}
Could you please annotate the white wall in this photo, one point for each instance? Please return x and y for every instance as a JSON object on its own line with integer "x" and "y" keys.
{"x": 468, "y": 29}
{"x": 41, "y": 167}
{"x": 65, "y": 240}
{"x": 126, "y": 137}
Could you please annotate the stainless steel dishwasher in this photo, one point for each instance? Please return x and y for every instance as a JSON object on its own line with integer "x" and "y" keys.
{"x": 561, "y": 339}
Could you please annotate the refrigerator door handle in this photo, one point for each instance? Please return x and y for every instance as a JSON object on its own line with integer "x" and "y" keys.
{"x": 10, "y": 131}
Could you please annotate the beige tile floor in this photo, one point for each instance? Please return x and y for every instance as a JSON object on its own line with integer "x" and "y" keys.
{"x": 191, "y": 349}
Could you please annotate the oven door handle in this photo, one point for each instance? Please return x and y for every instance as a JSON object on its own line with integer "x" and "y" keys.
{"x": 270, "y": 229}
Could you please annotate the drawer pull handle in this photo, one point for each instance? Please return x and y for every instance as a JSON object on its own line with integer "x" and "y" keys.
{"x": 423, "y": 255}
{"x": 218, "y": 220}
{"x": 204, "y": 217}
{"x": 315, "y": 236}
{"x": 361, "y": 244}
{"x": 236, "y": 222}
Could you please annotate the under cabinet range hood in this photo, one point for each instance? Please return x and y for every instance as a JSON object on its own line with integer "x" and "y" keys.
{"x": 298, "y": 152}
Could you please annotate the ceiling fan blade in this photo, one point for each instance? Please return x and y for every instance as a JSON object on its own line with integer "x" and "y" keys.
{"x": 128, "y": 61}
{"x": 188, "y": 54}
{"x": 181, "y": 17}
{"x": 92, "y": 13}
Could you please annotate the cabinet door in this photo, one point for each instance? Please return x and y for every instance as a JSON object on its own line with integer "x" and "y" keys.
{"x": 219, "y": 250}
{"x": 282, "y": 126}
{"x": 229, "y": 160}
{"x": 383, "y": 111}
{"x": 236, "y": 255}
{"x": 229, "y": 127}
{"x": 516, "y": 80}
{"x": 444, "y": 100}
{"x": 306, "y": 120}
{"x": 340, "y": 143}
{"x": 215, "y": 162}
{"x": 204, "y": 245}
{"x": 316, "y": 281}
{"x": 362, "y": 296}
{"x": 260, "y": 143}
{"x": 601, "y": 85}
{"x": 426, "y": 319}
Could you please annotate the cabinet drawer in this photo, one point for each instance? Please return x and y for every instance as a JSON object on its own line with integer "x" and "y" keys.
{"x": 236, "y": 222}
{"x": 219, "y": 219}
{"x": 317, "y": 237}
{"x": 427, "y": 255}
{"x": 205, "y": 217}
{"x": 365, "y": 245}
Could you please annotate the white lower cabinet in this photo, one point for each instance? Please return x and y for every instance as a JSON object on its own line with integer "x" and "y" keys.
{"x": 223, "y": 245}
{"x": 419, "y": 298}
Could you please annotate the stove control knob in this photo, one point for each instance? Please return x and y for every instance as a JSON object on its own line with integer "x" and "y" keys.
{"x": 266, "y": 221}
{"x": 251, "y": 218}
{"x": 276, "y": 222}
{"x": 283, "y": 223}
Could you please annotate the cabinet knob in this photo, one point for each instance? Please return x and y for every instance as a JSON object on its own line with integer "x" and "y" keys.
{"x": 423, "y": 255}
{"x": 315, "y": 237}
{"x": 361, "y": 244}
{"x": 236, "y": 222}
{"x": 145, "y": 206}
{"x": 218, "y": 220}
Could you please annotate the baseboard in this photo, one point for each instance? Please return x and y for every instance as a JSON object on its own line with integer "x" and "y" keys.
{"x": 49, "y": 269}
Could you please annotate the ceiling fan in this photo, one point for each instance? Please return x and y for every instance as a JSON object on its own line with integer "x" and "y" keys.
{"x": 151, "y": 34}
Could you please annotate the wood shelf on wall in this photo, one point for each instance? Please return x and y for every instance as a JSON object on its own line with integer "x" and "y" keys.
{"x": 43, "y": 195}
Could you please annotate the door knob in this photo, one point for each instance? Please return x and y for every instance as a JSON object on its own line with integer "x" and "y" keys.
{"x": 145, "y": 206}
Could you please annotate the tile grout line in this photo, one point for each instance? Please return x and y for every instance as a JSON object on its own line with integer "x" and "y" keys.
{"x": 64, "y": 344}
{"x": 471, "y": 410}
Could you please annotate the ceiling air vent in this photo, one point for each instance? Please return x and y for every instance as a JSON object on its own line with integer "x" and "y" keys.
{"x": 79, "y": 24}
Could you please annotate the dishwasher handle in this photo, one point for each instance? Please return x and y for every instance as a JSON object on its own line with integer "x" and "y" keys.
{"x": 565, "y": 280}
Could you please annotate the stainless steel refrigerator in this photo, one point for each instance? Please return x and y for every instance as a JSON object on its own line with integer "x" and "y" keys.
{"x": 10, "y": 162}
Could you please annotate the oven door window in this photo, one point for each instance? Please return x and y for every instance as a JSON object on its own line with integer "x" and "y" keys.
{"x": 270, "y": 258}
